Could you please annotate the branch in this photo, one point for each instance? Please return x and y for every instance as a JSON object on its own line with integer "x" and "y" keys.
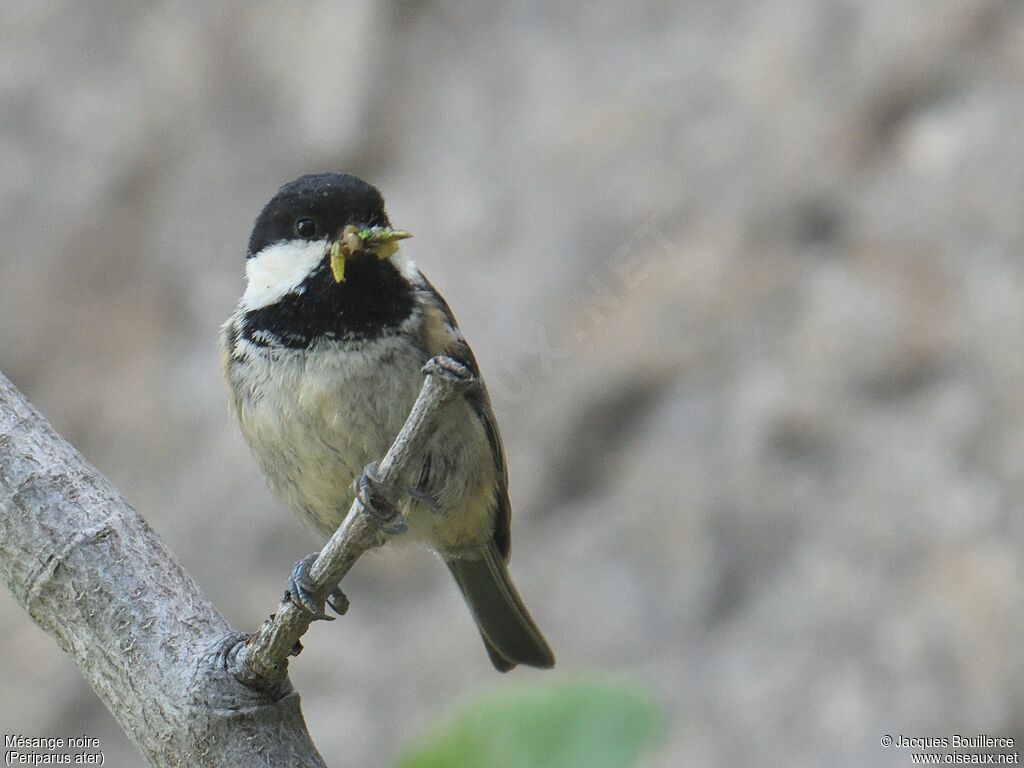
{"x": 93, "y": 575}
{"x": 262, "y": 660}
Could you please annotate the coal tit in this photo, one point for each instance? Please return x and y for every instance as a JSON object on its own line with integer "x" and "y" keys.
{"x": 323, "y": 360}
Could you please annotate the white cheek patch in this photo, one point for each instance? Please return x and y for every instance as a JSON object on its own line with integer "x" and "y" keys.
{"x": 406, "y": 266}
{"x": 280, "y": 269}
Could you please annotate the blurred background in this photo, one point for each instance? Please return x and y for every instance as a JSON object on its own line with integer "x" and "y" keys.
{"x": 744, "y": 278}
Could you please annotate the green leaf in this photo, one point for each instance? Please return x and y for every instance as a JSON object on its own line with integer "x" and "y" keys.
{"x": 572, "y": 725}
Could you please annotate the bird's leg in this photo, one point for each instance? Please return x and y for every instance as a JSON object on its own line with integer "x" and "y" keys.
{"x": 418, "y": 490}
{"x": 461, "y": 375}
{"x": 380, "y": 512}
{"x": 373, "y": 496}
{"x": 305, "y": 598}
{"x": 425, "y": 498}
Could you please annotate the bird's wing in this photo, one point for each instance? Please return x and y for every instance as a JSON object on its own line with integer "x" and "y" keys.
{"x": 443, "y": 337}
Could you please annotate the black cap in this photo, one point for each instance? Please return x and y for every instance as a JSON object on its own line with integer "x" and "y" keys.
{"x": 329, "y": 200}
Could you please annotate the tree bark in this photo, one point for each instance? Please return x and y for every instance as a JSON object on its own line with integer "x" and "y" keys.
{"x": 94, "y": 576}
{"x": 186, "y": 689}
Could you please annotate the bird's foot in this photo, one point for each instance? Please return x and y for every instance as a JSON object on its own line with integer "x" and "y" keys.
{"x": 380, "y": 511}
{"x": 451, "y": 370}
{"x": 304, "y": 598}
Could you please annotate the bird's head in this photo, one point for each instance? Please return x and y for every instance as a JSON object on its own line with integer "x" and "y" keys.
{"x": 317, "y": 224}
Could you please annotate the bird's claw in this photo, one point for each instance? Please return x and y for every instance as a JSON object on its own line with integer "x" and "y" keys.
{"x": 449, "y": 369}
{"x": 306, "y": 600}
{"x": 375, "y": 501}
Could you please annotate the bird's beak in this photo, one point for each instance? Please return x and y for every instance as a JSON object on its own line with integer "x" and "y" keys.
{"x": 382, "y": 242}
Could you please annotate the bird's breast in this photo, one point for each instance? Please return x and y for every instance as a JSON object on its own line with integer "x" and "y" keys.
{"x": 314, "y": 418}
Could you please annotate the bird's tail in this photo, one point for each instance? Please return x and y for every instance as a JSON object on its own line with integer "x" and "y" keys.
{"x": 508, "y": 631}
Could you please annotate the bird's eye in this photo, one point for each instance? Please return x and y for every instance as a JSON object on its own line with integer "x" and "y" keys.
{"x": 305, "y": 228}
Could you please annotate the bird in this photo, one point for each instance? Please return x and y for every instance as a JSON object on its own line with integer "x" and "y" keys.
{"x": 322, "y": 358}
